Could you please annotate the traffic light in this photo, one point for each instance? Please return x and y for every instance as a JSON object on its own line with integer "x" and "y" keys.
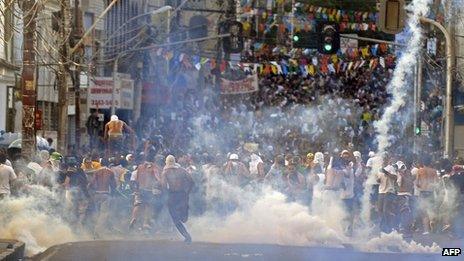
{"x": 391, "y": 16}
{"x": 329, "y": 38}
{"x": 418, "y": 125}
{"x": 234, "y": 43}
{"x": 304, "y": 39}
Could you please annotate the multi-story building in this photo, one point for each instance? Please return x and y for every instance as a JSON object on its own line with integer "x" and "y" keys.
{"x": 9, "y": 70}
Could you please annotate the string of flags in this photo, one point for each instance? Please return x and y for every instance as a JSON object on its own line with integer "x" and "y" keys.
{"x": 305, "y": 18}
{"x": 306, "y": 65}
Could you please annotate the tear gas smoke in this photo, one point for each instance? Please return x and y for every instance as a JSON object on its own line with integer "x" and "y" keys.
{"x": 263, "y": 215}
{"x": 255, "y": 213}
{"x": 398, "y": 87}
{"x": 36, "y": 219}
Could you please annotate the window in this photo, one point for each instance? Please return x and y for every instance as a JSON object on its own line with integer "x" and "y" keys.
{"x": 88, "y": 20}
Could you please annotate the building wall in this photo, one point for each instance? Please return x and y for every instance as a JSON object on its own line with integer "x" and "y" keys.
{"x": 47, "y": 45}
{"x": 3, "y": 104}
{"x": 7, "y": 68}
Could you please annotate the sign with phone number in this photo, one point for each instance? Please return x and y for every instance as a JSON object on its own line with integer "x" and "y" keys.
{"x": 101, "y": 93}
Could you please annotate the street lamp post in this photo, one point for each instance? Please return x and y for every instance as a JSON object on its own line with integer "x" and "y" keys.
{"x": 449, "y": 109}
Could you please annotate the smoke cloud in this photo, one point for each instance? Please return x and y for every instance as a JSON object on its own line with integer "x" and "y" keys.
{"x": 255, "y": 213}
{"x": 398, "y": 87}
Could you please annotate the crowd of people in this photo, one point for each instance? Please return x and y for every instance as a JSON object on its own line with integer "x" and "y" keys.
{"x": 305, "y": 136}
{"x": 410, "y": 195}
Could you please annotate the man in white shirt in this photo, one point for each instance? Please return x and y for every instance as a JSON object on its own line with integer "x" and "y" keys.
{"x": 373, "y": 166}
{"x": 347, "y": 194}
{"x": 7, "y": 175}
{"x": 387, "y": 196}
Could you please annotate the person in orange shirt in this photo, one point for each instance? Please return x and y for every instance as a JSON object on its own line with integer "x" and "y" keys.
{"x": 426, "y": 182}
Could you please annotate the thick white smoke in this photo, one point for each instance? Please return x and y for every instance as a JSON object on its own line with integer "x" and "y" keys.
{"x": 398, "y": 87}
{"x": 36, "y": 219}
{"x": 259, "y": 213}
{"x": 264, "y": 215}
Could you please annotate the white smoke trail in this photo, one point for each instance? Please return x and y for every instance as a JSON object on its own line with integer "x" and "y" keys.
{"x": 398, "y": 87}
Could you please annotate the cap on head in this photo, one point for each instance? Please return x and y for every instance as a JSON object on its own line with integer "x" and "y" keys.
{"x": 233, "y": 156}
{"x": 371, "y": 154}
{"x": 56, "y": 156}
{"x": 390, "y": 169}
{"x": 170, "y": 161}
{"x": 310, "y": 156}
{"x": 114, "y": 118}
{"x": 357, "y": 154}
{"x": 401, "y": 165}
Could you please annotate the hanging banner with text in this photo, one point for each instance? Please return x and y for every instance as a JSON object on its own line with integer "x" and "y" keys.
{"x": 101, "y": 92}
{"x": 247, "y": 85}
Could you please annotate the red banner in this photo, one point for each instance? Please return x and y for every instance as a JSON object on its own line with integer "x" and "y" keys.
{"x": 247, "y": 85}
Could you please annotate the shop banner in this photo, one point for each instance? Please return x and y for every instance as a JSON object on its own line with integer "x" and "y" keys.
{"x": 247, "y": 85}
{"x": 101, "y": 92}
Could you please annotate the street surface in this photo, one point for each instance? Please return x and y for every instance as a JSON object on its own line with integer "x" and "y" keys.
{"x": 175, "y": 250}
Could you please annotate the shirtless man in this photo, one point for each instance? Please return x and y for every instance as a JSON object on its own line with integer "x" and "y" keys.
{"x": 427, "y": 180}
{"x": 178, "y": 183}
{"x": 114, "y": 134}
{"x": 146, "y": 183}
{"x": 103, "y": 184}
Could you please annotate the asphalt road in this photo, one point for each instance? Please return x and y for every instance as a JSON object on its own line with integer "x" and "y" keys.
{"x": 175, "y": 250}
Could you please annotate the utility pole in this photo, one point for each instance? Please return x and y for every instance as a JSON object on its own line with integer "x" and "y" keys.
{"x": 77, "y": 57}
{"x": 28, "y": 80}
{"x": 451, "y": 66}
{"x": 62, "y": 77}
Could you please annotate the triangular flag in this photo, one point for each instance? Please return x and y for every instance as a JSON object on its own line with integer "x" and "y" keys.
{"x": 349, "y": 66}
{"x": 312, "y": 70}
{"x": 314, "y": 61}
{"x": 204, "y": 60}
{"x": 345, "y": 65}
{"x": 365, "y": 52}
{"x": 274, "y": 69}
{"x": 382, "y": 62}
{"x": 284, "y": 69}
{"x": 331, "y": 68}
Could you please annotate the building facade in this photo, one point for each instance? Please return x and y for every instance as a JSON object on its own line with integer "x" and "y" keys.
{"x": 9, "y": 70}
